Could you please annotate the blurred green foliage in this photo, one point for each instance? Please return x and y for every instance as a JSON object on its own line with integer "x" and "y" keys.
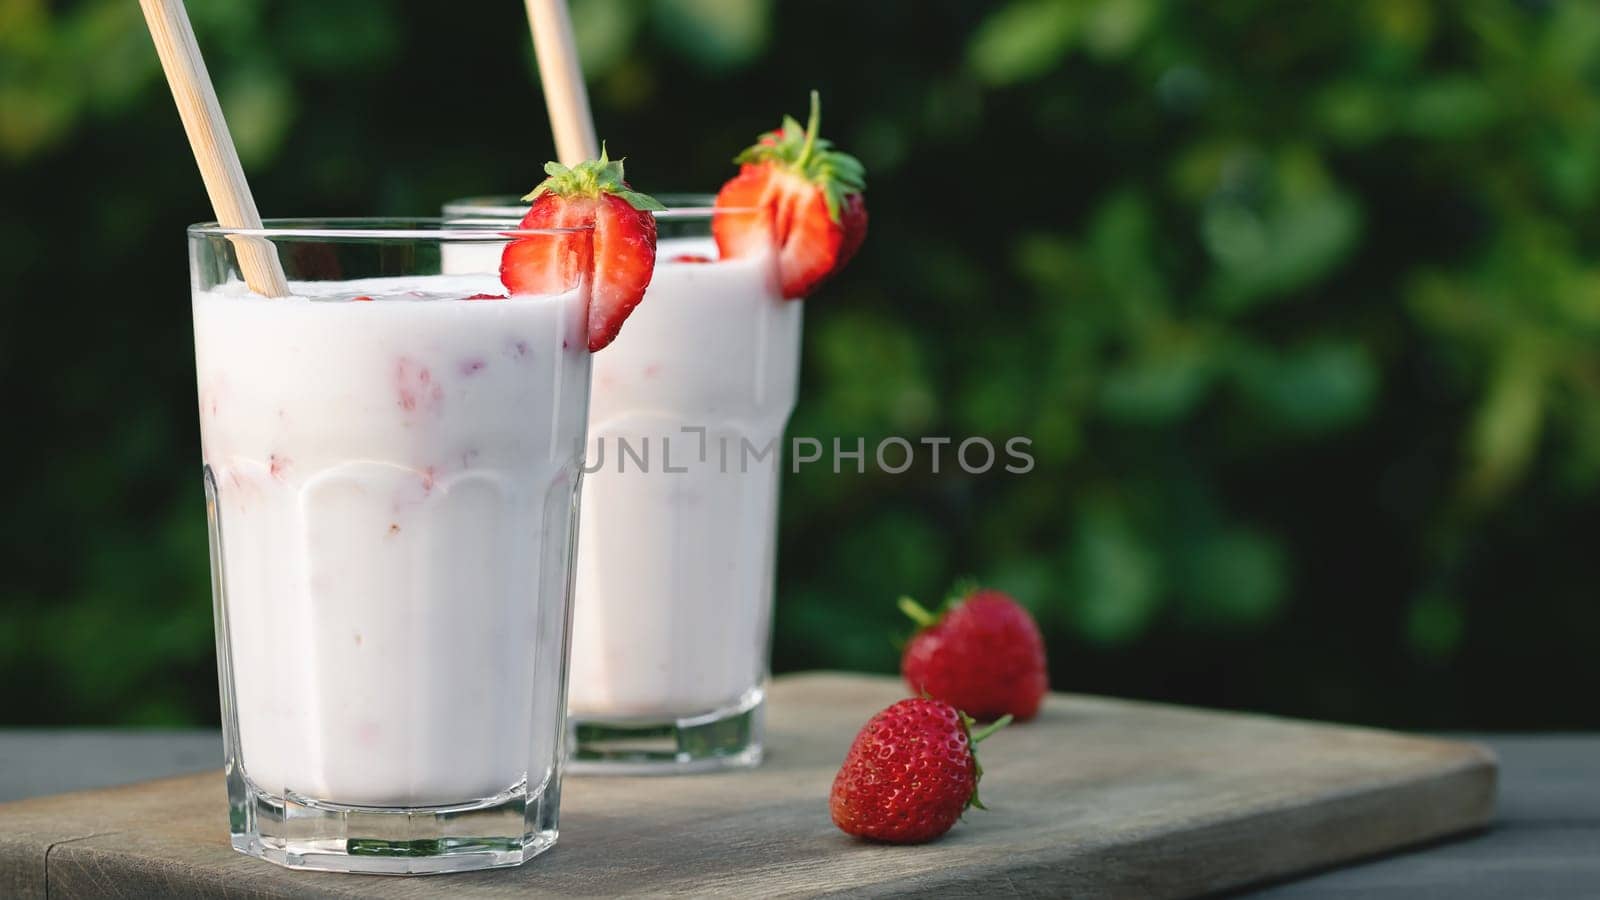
{"x": 1298, "y": 302}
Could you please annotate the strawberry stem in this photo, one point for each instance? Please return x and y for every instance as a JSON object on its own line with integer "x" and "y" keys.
{"x": 917, "y": 613}
{"x": 812, "y": 125}
{"x": 972, "y": 745}
{"x": 991, "y": 728}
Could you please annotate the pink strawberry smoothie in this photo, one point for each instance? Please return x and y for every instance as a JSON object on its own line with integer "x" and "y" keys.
{"x": 393, "y": 483}
{"x": 675, "y": 569}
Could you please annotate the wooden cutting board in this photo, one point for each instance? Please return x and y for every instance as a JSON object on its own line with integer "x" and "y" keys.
{"x": 1095, "y": 798}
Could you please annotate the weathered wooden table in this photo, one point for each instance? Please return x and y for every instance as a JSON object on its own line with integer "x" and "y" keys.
{"x": 1096, "y": 798}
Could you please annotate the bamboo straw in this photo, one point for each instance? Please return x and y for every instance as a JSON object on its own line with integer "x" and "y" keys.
{"x": 562, "y": 77}
{"x": 213, "y": 146}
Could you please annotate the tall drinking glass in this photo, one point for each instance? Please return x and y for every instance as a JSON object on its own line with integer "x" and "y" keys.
{"x": 676, "y": 554}
{"x": 392, "y": 465}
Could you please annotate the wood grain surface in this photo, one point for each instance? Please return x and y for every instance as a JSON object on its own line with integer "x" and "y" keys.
{"x": 1096, "y": 798}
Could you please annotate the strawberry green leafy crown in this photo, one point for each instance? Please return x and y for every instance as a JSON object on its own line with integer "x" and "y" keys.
{"x": 591, "y": 178}
{"x": 973, "y": 739}
{"x": 802, "y": 152}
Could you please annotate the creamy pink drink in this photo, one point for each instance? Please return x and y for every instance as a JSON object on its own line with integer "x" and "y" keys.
{"x": 393, "y": 480}
{"x": 678, "y": 539}
{"x": 704, "y": 380}
{"x": 677, "y": 546}
{"x": 671, "y": 628}
{"x": 391, "y": 472}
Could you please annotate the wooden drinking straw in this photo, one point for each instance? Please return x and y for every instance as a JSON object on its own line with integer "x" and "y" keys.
{"x": 212, "y": 145}
{"x": 562, "y": 77}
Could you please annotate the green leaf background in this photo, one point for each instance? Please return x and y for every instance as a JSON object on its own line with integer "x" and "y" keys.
{"x": 1299, "y": 304}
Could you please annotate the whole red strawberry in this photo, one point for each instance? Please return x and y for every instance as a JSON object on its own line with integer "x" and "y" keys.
{"x": 797, "y": 197}
{"x": 911, "y": 773}
{"x": 617, "y": 253}
{"x": 984, "y": 655}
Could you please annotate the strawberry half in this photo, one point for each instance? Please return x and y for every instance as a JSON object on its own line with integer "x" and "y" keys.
{"x": 618, "y": 254}
{"x": 799, "y": 197}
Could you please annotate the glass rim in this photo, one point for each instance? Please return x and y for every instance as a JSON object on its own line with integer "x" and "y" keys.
{"x": 426, "y": 228}
{"x": 511, "y": 206}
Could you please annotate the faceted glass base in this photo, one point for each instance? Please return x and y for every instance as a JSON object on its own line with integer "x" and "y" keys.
{"x": 302, "y": 833}
{"x": 727, "y": 738}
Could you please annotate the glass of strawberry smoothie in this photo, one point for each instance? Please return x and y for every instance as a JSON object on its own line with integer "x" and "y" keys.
{"x": 392, "y": 459}
{"x": 678, "y": 545}
{"x": 678, "y": 540}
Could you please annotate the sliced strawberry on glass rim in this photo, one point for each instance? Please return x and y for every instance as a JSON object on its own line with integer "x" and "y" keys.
{"x": 617, "y": 254}
{"x": 797, "y": 197}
